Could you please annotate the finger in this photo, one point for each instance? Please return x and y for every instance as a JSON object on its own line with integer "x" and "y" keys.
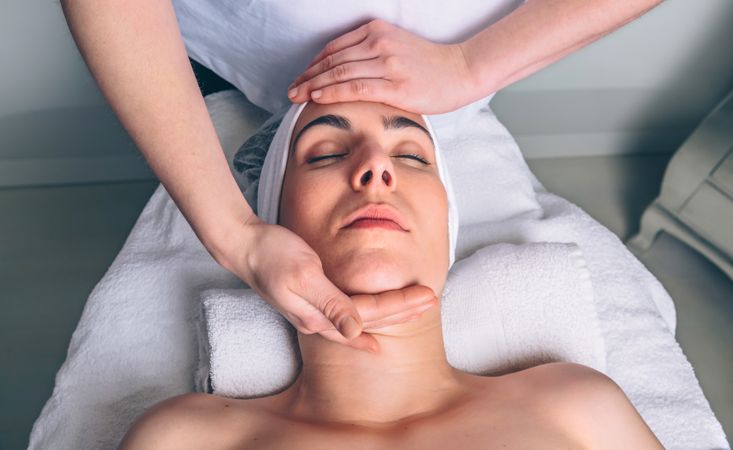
{"x": 346, "y": 40}
{"x": 364, "y": 341}
{"x": 370, "y": 68}
{"x": 334, "y": 304}
{"x": 392, "y": 305}
{"x": 375, "y": 310}
{"x": 358, "y": 52}
{"x": 372, "y": 307}
{"x": 316, "y": 319}
{"x": 365, "y": 89}
{"x": 370, "y": 326}
{"x": 396, "y": 319}
{"x": 308, "y": 320}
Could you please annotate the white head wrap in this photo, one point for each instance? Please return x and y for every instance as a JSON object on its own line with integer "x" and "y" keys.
{"x": 273, "y": 171}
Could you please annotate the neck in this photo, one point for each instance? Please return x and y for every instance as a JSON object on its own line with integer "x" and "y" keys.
{"x": 410, "y": 376}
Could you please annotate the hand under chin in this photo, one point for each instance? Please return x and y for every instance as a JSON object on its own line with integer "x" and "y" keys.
{"x": 425, "y": 323}
{"x": 370, "y": 273}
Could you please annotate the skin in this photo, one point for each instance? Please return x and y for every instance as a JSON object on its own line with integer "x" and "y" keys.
{"x": 406, "y": 395}
{"x": 372, "y": 261}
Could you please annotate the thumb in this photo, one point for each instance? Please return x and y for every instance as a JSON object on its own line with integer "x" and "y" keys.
{"x": 337, "y": 307}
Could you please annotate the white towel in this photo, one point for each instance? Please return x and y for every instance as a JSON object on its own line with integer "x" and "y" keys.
{"x": 504, "y": 308}
{"x": 135, "y": 343}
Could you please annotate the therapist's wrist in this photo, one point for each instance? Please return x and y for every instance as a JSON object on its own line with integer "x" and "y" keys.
{"x": 463, "y": 86}
{"x": 230, "y": 241}
{"x": 478, "y": 75}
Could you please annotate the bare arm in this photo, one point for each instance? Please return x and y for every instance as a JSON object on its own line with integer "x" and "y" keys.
{"x": 382, "y": 62}
{"x": 136, "y": 54}
{"x": 540, "y": 32}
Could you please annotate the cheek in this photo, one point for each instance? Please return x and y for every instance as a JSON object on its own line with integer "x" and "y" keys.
{"x": 302, "y": 204}
{"x": 434, "y": 210}
{"x": 431, "y": 204}
{"x": 290, "y": 202}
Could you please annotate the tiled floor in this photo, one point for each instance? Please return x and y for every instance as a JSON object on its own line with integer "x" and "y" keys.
{"x": 57, "y": 242}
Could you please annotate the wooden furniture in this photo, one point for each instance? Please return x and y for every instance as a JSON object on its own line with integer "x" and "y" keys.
{"x": 695, "y": 203}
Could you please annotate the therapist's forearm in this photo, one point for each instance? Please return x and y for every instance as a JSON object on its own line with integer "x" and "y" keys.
{"x": 540, "y": 32}
{"x": 136, "y": 54}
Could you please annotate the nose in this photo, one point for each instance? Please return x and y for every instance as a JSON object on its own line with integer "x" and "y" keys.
{"x": 374, "y": 171}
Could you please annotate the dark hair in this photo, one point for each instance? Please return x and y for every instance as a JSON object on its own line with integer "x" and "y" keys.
{"x": 250, "y": 158}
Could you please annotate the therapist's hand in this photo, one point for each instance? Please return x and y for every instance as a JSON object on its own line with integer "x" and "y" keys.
{"x": 383, "y": 63}
{"x": 285, "y": 271}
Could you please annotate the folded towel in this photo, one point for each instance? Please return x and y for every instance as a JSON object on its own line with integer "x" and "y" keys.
{"x": 135, "y": 343}
{"x": 504, "y": 308}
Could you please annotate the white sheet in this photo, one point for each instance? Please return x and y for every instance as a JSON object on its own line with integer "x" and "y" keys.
{"x": 135, "y": 343}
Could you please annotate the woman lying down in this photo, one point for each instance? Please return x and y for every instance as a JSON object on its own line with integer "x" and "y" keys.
{"x": 381, "y": 166}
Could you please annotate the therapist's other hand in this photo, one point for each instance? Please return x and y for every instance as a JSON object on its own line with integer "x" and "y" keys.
{"x": 383, "y": 63}
{"x": 285, "y": 271}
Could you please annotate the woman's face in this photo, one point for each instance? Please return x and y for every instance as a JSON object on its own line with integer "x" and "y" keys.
{"x": 347, "y": 156}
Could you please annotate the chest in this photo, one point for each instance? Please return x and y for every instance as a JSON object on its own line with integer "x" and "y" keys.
{"x": 474, "y": 430}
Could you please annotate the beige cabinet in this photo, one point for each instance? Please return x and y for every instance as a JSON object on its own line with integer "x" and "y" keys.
{"x": 695, "y": 203}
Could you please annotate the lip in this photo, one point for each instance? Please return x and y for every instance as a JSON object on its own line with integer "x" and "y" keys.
{"x": 381, "y": 214}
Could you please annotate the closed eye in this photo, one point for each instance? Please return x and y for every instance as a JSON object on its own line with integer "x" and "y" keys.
{"x": 338, "y": 155}
{"x": 318, "y": 158}
{"x": 415, "y": 157}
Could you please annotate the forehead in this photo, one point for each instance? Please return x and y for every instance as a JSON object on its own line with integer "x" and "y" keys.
{"x": 358, "y": 113}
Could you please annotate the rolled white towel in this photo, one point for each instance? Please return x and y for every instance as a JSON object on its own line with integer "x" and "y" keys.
{"x": 504, "y": 308}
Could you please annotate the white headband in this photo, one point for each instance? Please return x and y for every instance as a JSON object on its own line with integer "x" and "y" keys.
{"x": 273, "y": 172}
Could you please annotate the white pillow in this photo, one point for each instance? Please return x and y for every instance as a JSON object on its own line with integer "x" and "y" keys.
{"x": 504, "y": 308}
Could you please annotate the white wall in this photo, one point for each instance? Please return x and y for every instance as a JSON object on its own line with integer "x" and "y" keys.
{"x": 642, "y": 88}
{"x": 55, "y": 125}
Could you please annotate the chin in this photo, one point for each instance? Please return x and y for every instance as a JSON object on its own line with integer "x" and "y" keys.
{"x": 369, "y": 272}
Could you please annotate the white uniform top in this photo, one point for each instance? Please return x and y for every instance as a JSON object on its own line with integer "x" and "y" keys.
{"x": 262, "y": 46}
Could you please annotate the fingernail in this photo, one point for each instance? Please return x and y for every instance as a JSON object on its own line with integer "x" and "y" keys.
{"x": 350, "y": 328}
{"x": 415, "y": 300}
{"x": 292, "y": 93}
{"x": 316, "y": 94}
{"x": 423, "y": 301}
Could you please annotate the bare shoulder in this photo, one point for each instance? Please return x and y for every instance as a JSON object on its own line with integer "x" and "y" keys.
{"x": 187, "y": 421}
{"x": 592, "y": 406}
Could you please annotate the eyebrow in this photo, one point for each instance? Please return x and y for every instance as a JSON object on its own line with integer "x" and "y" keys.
{"x": 342, "y": 123}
